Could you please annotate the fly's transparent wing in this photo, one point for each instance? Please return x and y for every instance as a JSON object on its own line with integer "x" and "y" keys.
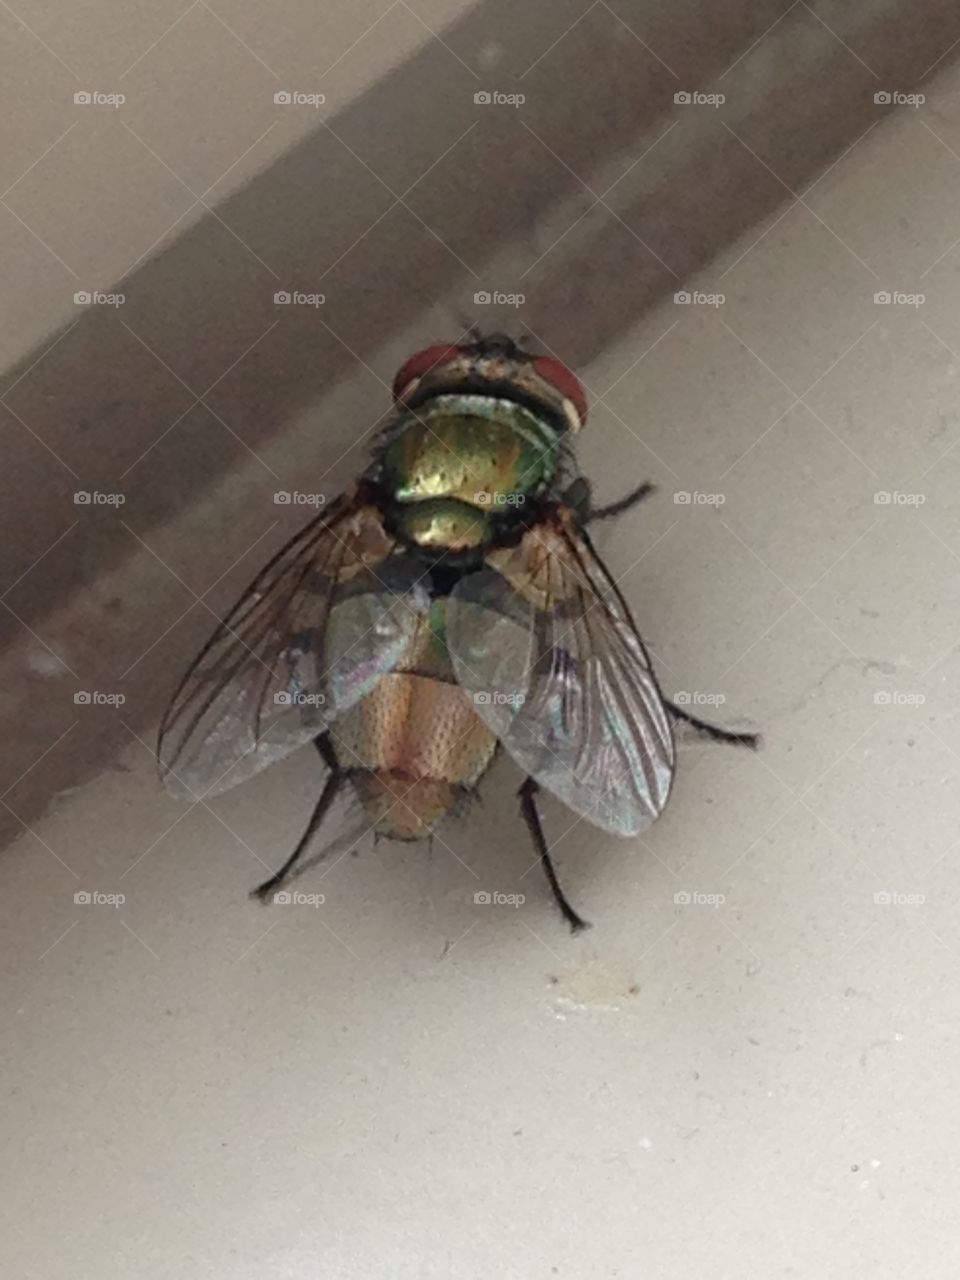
{"x": 328, "y": 616}
{"x": 542, "y": 640}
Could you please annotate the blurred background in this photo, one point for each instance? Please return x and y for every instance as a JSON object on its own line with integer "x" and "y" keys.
{"x": 224, "y": 228}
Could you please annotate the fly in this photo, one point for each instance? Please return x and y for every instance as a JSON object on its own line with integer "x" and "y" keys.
{"x": 449, "y": 603}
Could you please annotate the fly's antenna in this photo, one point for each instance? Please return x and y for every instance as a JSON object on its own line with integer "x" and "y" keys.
{"x": 469, "y": 329}
{"x": 473, "y": 334}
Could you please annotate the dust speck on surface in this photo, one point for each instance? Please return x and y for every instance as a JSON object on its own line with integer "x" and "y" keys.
{"x": 44, "y": 663}
{"x": 597, "y": 986}
{"x": 490, "y": 55}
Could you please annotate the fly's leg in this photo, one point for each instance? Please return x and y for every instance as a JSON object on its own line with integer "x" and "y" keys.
{"x": 751, "y": 740}
{"x": 579, "y": 497}
{"x": 617, "y": 508}
{"x": 528, "y": 807}
{"x": 333, "y": 784}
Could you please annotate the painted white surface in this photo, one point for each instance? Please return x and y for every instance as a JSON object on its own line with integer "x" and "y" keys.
{"x": 402, "y": 1083}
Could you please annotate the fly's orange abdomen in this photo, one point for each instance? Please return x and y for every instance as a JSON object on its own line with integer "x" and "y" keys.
{"x": 415, "y": 742}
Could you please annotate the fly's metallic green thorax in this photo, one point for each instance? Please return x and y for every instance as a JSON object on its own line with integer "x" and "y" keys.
{"x": 459, "y": 462}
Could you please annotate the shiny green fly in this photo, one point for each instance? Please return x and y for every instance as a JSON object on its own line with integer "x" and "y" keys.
{"x": 450, "y": 602}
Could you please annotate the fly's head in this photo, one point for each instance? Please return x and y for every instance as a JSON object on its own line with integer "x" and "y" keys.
{"x": 496, "y": 366}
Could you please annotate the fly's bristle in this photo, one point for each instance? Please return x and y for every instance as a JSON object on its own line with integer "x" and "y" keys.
{"x": 404, "y": 808}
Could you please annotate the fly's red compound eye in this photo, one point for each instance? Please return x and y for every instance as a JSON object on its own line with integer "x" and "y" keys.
{"x": 421, "y": 363}
{"x": 568, "y": 384}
